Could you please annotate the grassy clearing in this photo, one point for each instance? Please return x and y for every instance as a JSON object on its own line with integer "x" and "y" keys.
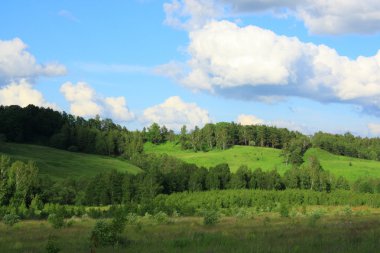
{"x": 268, "y": 159}
{"x": 350, "y": 168}
{"x": 60, "y": 164}
{"x": 334, "y": 231}
{"x": 253, "y": 157}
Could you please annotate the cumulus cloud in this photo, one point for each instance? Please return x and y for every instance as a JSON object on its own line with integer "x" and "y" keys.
{"x": 17, "y": 63}
{"x": 247, "y": 120}
{"x": 253, "y": 63}
{"x": 374, "y": 128}
{"x": 174, "y": 113}
{"x": 85, "y": 102}
{"x": 319, "y": 16}
{"x": 23, "y": 94}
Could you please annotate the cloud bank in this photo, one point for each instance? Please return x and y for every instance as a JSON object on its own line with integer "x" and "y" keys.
{"x": 252, "y": 63}
{"x": 319, "y": 16}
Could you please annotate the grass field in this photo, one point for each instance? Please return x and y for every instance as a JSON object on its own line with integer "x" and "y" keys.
{"x": 267, "y": 232}
{"x": 59, "y": 164}
{"x": 350, "y": 168}
{"x": 268, "y": 159}
{"x": 253, "y": 157}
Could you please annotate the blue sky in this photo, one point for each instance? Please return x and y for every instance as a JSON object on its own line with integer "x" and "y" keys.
{"x": 194, "y": 61}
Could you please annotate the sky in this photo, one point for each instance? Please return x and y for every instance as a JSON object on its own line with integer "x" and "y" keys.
{"x": 305, "y": 65}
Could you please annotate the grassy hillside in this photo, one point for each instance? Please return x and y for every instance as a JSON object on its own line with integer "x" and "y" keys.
{"x": 58, "y": 163}
{"x": 253, "y": 157}
{"x": 268, "y": 158}
{"x": 350, "y": 168}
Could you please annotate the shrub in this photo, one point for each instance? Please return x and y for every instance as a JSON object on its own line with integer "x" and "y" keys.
{"x": 210, "y": 217}
{"x": 56, "y": 220}
{"x": 10, "y": 219}
{"x": 52, "y": 245}
{"x": 132, "y": 218}
{"x": 314, "y": 217}
{"x": 161, "y": 218}
{"x": 102, "y": 234}
{"x": 284, "y": 210}
{"x": 347, "y": 211}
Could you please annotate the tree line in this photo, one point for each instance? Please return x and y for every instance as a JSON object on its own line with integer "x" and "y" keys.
{"x": 21, "y": 185}
{"x": 45, "y": 126}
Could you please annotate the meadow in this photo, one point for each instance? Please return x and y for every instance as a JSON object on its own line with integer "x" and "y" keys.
{"x": 269, "y": 158}
{"x": 335, "y": 230}
{"x": 62, "y": 164}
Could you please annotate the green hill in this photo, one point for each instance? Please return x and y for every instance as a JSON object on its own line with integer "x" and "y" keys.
{"x": 350, "y": 168}
{"x": 253, "y": 157}
{"x": 268, "y": 158}
{"x": 59, "y": 164}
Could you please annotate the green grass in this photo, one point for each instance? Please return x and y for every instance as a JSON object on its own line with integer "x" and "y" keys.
{"x": 253, "y": 157}
{"x": 268, "y": 159}
{"x": 264, "y": 233}
{"x": 350, "y": 168}
{"x": 60, "y": 164}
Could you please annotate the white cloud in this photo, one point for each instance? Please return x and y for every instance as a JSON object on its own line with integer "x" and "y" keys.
{"x": 374, "y": 128}
{"x": 85, "y": 102}
{"x": 22, "y": 93}
{"x": 191, "y": 14}
{"x": 247, "y": 120}
{"x": 254, "y": 63}
{"x": 17, "y": 63}
{"x": 174, "y": 113}
{"x": 68, "y": 15}
{"x": 319, "y": 16}
{"x": 117, "y": 106}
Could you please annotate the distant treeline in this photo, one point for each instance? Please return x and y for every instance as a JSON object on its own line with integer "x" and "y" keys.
{"x": 21, "y": 186}
{"x": 101, "y": 136}
{"x": 44, "y": 126}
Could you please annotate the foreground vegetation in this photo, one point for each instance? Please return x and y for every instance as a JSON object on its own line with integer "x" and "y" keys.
{"x": 63, "y": 164}
{"x": 319, "y": 229}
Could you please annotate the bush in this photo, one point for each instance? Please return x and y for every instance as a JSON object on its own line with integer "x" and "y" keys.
{"x": 161, "y": 218}
{"x": 314, "y": 217}
{"x": 102, "y": 234}
{"x": 56, "y": 220}
{"x": 210, "y": 217}
{"x": 10, "y": 219}
{"x": 284, "y": 210}
{"x": 52, "y": 245}
{"x": 132, "y": 219}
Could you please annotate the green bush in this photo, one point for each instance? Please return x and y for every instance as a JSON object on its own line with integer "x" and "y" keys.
{"x": 52, "y": 245}
{"x": 161, "y": 218}
{"x": 210, "y": 217}
{"x": 56, "y": 220}
{"x": 10, "y": 219}
{"x": 284, "y": 210}
{"x": 102, "y": 234}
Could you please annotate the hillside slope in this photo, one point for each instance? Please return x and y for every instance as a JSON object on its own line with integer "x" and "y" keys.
{"x": 253, "y": 157}
{"x": 268, "y": 159}
{"x": 59, "y": 164}
{"x": 350, "y": 168}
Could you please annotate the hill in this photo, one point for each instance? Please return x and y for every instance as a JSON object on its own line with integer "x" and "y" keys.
{"x": 253, "y": 157}
{"x": 269, "y": 158}
{"x": 350, "y": 168}
{"x": 60, "y": 164}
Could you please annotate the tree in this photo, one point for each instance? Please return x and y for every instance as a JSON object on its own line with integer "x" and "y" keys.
{"x": 240, "y": 179}
{"x": 183, "y": 139}
{"x": 154, "y": 134}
